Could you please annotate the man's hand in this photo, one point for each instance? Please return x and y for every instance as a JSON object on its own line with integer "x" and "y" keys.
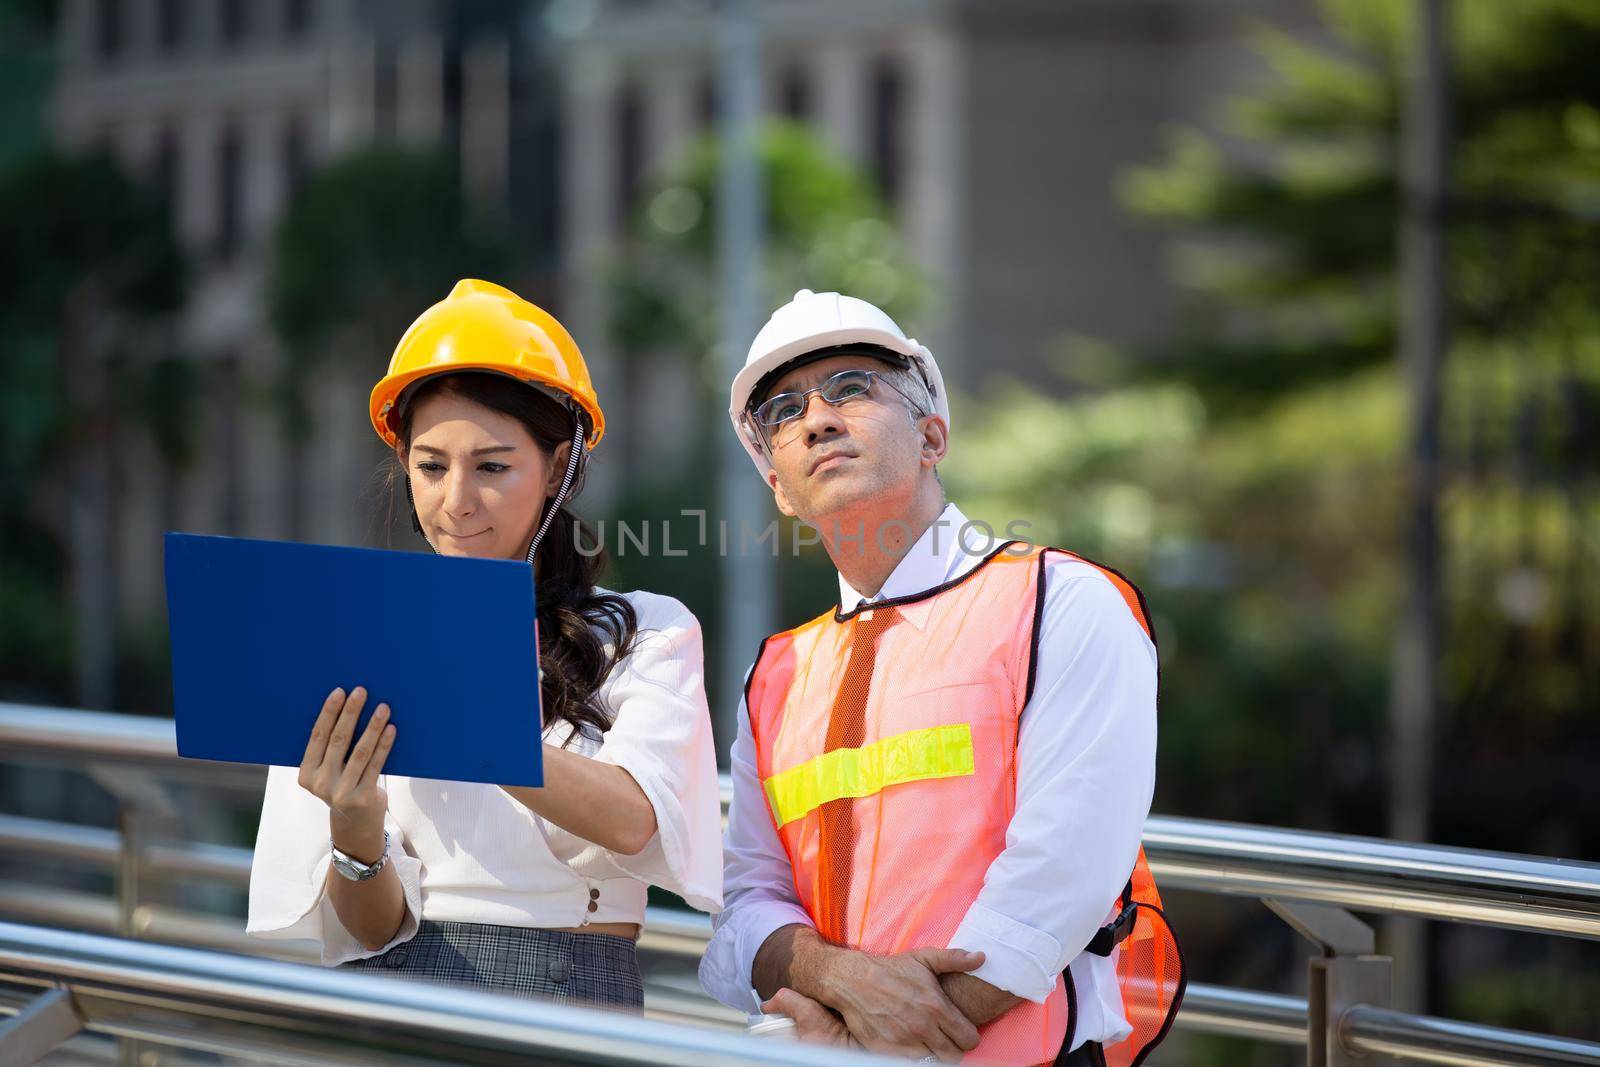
{"x": 812, "y": 1021}
{"x": 891, "y": 1004}
{"x": 895, "y": 1005}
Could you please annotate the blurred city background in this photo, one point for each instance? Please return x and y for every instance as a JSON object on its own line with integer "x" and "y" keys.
{"x": 1237, "y": 296}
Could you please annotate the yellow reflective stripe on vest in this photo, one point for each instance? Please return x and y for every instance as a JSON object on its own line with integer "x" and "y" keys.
{"x": 914, "y": 756}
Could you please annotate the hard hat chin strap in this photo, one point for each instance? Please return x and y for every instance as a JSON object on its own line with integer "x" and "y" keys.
{"x": 416, "y": 522}
{"x": 574, "y": 461}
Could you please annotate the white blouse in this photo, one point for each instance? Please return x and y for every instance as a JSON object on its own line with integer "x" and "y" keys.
{"x": 467, "y": 852}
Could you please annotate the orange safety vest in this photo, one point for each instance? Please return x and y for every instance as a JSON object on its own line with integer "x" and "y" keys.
{"x": 891, "y": 824}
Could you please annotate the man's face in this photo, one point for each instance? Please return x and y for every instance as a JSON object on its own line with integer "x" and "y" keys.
{"x": 836, "y": 460}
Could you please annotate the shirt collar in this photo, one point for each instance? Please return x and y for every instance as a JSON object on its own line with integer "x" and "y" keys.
{"x": 938, "y": 556}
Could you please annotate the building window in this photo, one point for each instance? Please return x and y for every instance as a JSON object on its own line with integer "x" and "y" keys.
{"x": 230, "y": 446}
{"x": 630, "y": 149}
{"x": 385, "y": 93}
{"x": 887, "y": 105}
{"x": 453, "y": 94}
{"x": 230, "y": 172}
{"x": 108, "y": 29}
{"x": 170, "y": 16}
{"x": 794, "y": 94}
{"x": 296, "y": 17}
{"x": 164, "y": 173}
{"x": 232, "y": 22}
{"x": 296, "y": 157}
{"x": 705, "y": 102}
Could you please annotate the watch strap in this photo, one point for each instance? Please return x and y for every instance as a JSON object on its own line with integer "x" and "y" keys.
{"x": 353, "y": 869}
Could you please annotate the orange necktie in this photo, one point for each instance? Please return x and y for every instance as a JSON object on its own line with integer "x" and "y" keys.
{"x": 847, "y": 726}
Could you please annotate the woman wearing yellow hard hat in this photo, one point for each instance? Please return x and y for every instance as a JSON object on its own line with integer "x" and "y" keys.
{"x": 491, "y": 413}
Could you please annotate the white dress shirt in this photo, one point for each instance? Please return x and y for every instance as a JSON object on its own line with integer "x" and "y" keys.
{"x": 1086, "y": 752}
{"x": 467, "y": 852}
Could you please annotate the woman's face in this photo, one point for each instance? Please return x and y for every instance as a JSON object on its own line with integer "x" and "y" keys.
{"x": 478, "y": 477}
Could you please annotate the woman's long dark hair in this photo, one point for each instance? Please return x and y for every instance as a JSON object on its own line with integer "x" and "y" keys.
{"x": 575, "y": 621}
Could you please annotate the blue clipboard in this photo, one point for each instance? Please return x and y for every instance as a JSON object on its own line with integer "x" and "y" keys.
{"x": 262, "y": 631}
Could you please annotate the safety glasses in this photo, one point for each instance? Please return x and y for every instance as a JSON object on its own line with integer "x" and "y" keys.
{"x": 838, "y": 391}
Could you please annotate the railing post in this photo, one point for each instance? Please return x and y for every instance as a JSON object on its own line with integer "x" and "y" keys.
{"x": 39, "y": 1029}
{"x": 1348, "y": 973}
{"x": 142, "y": 801}
{"x": 131, "y": 825}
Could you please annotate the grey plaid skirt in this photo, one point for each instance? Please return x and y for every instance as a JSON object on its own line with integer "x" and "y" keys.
{"x": 595, "y": 969}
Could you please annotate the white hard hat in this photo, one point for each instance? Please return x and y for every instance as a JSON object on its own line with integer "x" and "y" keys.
{"x": 809, "y": 325}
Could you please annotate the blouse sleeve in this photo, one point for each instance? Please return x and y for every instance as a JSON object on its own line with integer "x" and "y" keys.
{"x": 288, "y": 874}
{"x": 661, "y": 735}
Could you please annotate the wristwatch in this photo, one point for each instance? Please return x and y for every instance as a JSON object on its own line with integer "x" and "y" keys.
{"x": 354, "y": 869}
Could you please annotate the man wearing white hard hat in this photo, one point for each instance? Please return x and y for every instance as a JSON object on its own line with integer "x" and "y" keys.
{"x": 933, "y": 848}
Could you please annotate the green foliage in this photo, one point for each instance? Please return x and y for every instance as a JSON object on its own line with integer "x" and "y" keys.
{"x": 1558, "y": 997}
{"x": 1250, "y": 478}
{"x": 27, "y": 64}
{"x": 825, "y": 229}
{"x": 1287, "y": 218}
{"x": 1255, "y": 542}
{"x": 86, "y": 261}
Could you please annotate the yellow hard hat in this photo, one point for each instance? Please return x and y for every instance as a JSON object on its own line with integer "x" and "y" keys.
{"x": 483, "y": 326}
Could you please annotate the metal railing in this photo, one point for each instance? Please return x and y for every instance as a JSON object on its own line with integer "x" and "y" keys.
{"x": 275, "y": 1012}
{"x": 1306, "y": 878}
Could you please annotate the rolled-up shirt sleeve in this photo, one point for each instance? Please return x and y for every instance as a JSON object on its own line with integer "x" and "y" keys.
{"x": 289, "y": 875}
{"x": 661, "y": 735}
{"x": 1085, "y": 775}
{"x": 757, "y": 884}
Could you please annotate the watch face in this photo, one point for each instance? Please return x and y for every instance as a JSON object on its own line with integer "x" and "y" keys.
{"x": 356, "y": 872}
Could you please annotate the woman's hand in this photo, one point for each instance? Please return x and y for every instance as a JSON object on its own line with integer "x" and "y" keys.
{"x": 349, "y": 786}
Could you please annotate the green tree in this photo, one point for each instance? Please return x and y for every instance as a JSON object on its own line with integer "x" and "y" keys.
{"x": 88, "y": 276}
{"x": 825, "y": 228}
{"x": 1290, "y": 249}
{"x": 1248, "y": 474}
{"x": 27, "y": 62}
{"x": 1285, "y": 221}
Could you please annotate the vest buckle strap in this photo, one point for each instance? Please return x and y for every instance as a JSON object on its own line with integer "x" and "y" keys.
{"x": 1115, "y": 932}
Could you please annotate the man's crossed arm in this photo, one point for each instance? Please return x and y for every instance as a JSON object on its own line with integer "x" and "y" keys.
{"x": 914, "y": 1003}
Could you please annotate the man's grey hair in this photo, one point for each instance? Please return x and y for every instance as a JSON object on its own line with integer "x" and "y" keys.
{"x": 911, "y": 385}
{"x": 914, "y": 388}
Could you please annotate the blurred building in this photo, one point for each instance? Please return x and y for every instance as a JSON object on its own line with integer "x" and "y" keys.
{"x": 995, "y": 128}
{"x": 225, "y": 107}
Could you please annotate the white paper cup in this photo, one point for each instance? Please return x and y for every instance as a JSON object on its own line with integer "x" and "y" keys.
{"x": 776, "y": 1027}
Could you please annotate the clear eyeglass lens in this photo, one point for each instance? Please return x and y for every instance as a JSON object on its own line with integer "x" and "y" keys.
{"x": 842, "y": 387}
{"x": 785, "y": 407}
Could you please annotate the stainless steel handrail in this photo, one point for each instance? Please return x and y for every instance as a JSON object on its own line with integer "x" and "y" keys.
{"x": 29, "y": 729}
{"x": 282, "y": 1012}
{"x": 1244, "y": 1013}
{"x": 1367, "y": 874}
{"x": 667, "y": 930}
{"x": 1365, "y": 1029}
{"x": 1461, "y": 885}
{"x": 1372, "y": 874}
